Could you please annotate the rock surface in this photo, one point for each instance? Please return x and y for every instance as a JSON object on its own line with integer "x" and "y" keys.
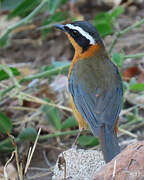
{"x": 128, "y": 165}
{"x": 77, "y": 164}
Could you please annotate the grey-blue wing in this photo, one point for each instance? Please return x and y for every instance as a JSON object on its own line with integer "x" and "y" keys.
{"x": 97, "y": 108}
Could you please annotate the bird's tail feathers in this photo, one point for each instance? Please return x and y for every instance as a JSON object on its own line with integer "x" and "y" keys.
{"x": 109, "y": 143}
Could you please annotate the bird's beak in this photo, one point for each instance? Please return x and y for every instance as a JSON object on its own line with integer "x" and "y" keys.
{"x": 60, "y": 26}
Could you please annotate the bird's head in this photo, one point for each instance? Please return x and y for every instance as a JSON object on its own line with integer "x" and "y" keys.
{"x": 83, "y": 36}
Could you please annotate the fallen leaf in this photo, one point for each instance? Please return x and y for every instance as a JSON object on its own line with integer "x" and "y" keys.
{"x": 130, "y": 72}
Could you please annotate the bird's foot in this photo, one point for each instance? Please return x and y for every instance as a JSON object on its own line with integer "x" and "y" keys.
{"x": 74, "y": 145}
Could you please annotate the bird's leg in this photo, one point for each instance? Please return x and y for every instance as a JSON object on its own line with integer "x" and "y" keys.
{"x": 74, "y": 145}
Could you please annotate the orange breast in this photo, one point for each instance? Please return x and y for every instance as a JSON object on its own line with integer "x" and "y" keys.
{"x": 82, "y": 123}
{"x": 90, "y": 51}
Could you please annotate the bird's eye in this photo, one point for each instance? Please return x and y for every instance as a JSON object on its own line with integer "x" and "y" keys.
{"x": 75, "y": 32}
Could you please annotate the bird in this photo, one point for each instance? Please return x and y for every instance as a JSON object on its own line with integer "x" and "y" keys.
{"x": 95, "y": 86}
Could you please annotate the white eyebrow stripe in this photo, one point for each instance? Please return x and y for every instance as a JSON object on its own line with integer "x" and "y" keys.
{"x": 81, "y": 31}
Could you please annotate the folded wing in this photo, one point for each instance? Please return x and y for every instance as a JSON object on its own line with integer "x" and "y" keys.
{"x": 98, "y": 108}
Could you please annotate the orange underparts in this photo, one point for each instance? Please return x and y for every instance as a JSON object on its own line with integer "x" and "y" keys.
{"x": 116, "y": 126}
{"x": 82, "y": 123}
{"x": 79, "y": 55}
{"x": 90, "y": 51}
